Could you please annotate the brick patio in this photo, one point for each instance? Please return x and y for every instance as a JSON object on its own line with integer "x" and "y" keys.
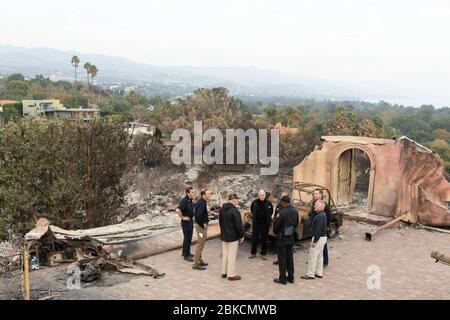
{"x": 403, "y": 255}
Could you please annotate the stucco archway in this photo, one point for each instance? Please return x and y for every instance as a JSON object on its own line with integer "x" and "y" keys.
{"x": 335, "y": 171}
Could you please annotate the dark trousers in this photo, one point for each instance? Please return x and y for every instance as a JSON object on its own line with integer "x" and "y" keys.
{"x": 286, "y": 262}
{"x": 188, "y": 229}
{"x": 260, "y": 231}
{"x": 325, "y": 255}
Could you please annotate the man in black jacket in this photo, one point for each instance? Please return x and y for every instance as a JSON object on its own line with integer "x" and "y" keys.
{"x": 262, "y": 210}
{"x": 277, "y": 211}
{"x": 231, "y": 232}
{"x": 278, "y": 206}
{"x": 284, "y": 227}
{"x": 319, "y": 231}
{"x": 185, "y": 211}
{"x": 318, "y": 195}
{"x": 201, "y": 227}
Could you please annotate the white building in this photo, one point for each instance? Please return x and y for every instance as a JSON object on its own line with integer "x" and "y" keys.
{"x": 135, "y": 128}
{"x": 131, "y": 89}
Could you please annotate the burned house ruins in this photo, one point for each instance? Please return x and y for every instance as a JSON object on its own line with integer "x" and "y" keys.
{"x": 398, "y": 176}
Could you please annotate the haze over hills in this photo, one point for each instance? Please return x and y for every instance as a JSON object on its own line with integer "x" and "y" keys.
{"x": 241, "y": 80}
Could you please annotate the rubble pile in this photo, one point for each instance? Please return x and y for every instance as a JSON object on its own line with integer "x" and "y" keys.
{"x": 359, "y": 202}
{"x": 11, "y": 270}
{"x": 150, "y": 207}
{"x": 246, "y": 186}
{"x": 9, "y": 258}
{"x": 156, "y": 200}
{"x": 51, "y": 246}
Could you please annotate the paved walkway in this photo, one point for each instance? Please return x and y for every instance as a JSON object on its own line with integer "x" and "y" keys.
{"x": 402, "y": 256}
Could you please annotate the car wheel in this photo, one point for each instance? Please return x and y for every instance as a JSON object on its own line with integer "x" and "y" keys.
{"x": 333, "y": 231}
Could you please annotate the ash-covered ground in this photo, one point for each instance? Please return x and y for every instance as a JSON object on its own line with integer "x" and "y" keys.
{"x": 155, "y": 193}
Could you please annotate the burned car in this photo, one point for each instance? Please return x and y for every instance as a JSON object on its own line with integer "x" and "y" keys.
{"x": 301, "y": 195}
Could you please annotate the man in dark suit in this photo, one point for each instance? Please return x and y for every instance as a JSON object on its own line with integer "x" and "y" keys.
{"x": 275, "y": 215}
{"x": 284, "y": 227}
{"x": 185, "y": 211}
{"x": 262, "y": 211}
{"x": 231, "y": 233}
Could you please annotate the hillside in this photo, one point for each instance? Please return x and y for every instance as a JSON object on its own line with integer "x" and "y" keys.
{"x": 244, "y": 81}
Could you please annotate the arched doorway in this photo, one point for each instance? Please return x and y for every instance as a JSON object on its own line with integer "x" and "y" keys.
{"x": 354, "y": 179}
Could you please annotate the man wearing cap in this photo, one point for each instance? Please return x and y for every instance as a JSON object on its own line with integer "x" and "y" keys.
{"x": 231, "y": 233}
{"x": 185, "y": 211}
{"x": 275, "y": 215}
{"x": 284, "y": 228}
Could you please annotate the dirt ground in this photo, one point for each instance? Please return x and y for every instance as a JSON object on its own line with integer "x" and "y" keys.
{"x": 402, "y": 255}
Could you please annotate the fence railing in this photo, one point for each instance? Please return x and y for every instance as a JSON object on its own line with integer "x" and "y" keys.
{"x": 14, "y": 273}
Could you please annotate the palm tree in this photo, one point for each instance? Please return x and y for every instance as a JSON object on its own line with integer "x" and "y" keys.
{"x": 93, "y": 71}
{"x": 132, "y": 98}
{"x": 75, "y": 63}
{"x": 87, "y": 67}
{"x": 292, "y": 114}
{"x": 271, "y": 114}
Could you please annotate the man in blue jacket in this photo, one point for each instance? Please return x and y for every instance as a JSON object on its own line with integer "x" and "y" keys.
{"x": 318, "y": 195}
{"x": 201, "y": 227}
{"x": 319, "y": 239}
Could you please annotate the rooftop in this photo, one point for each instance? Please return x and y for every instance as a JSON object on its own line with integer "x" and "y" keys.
{"x": 74, "y": 109}
{"x": 359, "y": 140}
{"x": 3, "y": 102}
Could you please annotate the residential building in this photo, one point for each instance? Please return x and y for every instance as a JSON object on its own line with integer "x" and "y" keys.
{"x": 114, "y": 87}
{"x": 33, "y": 108}
{"x": 135, "y": 128}
{"x": 5, "y": 102}
{"x": 131, "y": 89}
{"x": 55, "y": 109}
{"x": 284, "y": 130}
{"x": 74, "y": 114}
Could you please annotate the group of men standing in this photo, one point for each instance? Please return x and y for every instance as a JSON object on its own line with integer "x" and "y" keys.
{"x": 232, "y": 231}
{"x": 188, "y": 213}
{"x": 284, "y": 220}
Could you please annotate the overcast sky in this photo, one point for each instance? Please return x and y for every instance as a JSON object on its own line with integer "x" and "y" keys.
{"x": 400, "y": 47}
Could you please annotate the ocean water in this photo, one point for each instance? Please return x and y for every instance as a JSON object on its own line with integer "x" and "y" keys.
{"x": 410, "y": 102}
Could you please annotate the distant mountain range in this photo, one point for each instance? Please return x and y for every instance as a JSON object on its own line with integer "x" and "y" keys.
{"x": 248, "y": 81}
